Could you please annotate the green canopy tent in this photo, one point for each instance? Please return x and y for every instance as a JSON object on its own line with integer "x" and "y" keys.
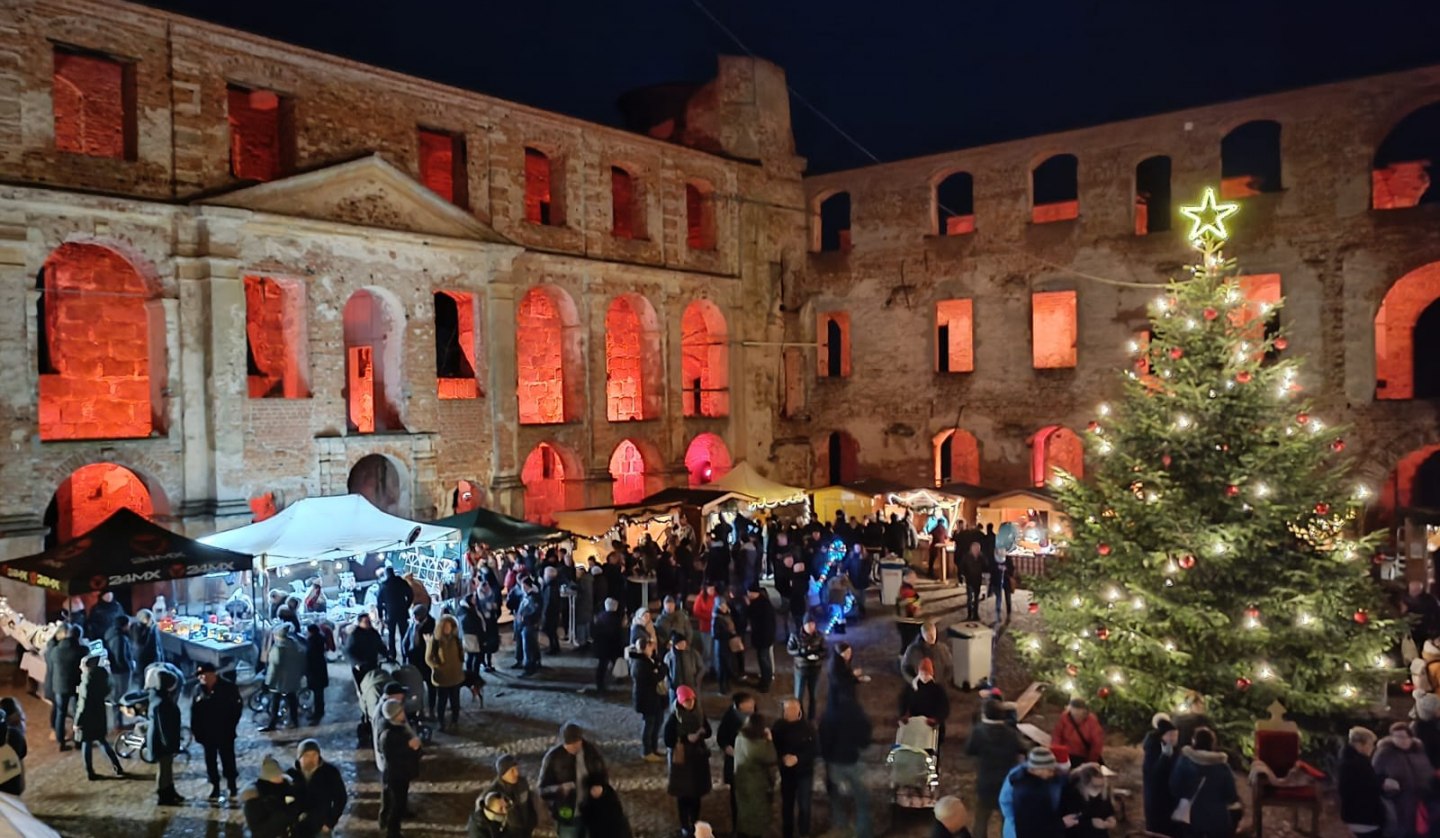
{"x": 491, "y": 528}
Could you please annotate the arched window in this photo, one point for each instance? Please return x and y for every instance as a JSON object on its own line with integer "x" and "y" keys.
{"x": 276, "y": 346}
{"x": 632, "y": 360}
{"x": 842, "y": 459}
{"x": 699, "y": 215}
{"x": 957, "y": 458}
{"x": 1250, "y": 160}
{"x": 376, "y": 478}
{"x": 1055, "y": 190}
{"x": 1055, "y": 448}
{"x": 832, "y": 224}
{"x": 1414, "y": 483}
{"x": 374, "y": 372}
{"x": 102, "y": 354}
{"x": 548, "y": 357}
{"x": 1407, "y": 344}
{"x": 704, "y": 360}
{"x": 1152, "y": 195}
{"x": 955, "y": 205}
{"x": 707, "y": 459}
{"x": 544, "y": 474}
{"x": 91, "y": 494}
{"x": 1400, "y": 176}
{"x": 627, "y": 470}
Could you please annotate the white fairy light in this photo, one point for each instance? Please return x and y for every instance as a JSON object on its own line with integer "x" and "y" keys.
{"x": 1289, "y": 430}
{"x": 1347, "y": 691}
{"x": 1264, "y": 672}
{"x": 1068, "y": 686}
{"x": 1229, "y": 384}
{"x": 1382, "y": 662}
{"x": 1152, "y": 496}
{"x": 1138, "y": 603}
{"x": 1085, "y": 633}
{"x": 1252, "y": 623}
{"x": 1171, "y": 567}
{"x": 1074, "y": 645}
{"x": 1112, "y": 593}
{"x": 1075, "y": 602}
{"x": 1133, "y": 346}
{"x": 1362, "y": 492}
{"x": 1261, "y": 490}
{"x": 1232, "y": 295}
{"x": 1303, "y": 619}
{"x": 1183, "y": 422}
{"x": 1190, "y": 323}
{"x": 1169, "y": 645}
{"x": 1105, "y": 447}
{"x": 1219, "y": 548}
{"x": 1117, "y": 677}
{"x": 1057, "y": 481}
{"x": 1164, "y": 373}
{"x": 1213, "y": 394}
{"x": 1104, "y": 409}
{"x": 1034, "y": 644}
{"x": 1264, "y": 308}
{"x": 1316, "y": 426}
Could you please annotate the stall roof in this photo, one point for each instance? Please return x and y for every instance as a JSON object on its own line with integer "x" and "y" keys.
{"x": 681, "y": 496}
{"x": 124, "y": 549}
{"x": 334, "y": 527}
{"x": 742, "y": 479}
{"x": 969, "y": 491}
{"x": 590, "y": 523}
{"x": 877, "y": 486}
{"x": 496, "y": 530}
{"x": 1038, "y": 498}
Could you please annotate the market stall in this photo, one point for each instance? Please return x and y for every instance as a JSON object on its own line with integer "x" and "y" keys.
{"x": 498, "y": 531}
{"x": 761, "y": 492}
{"x": 1025, "y": 520}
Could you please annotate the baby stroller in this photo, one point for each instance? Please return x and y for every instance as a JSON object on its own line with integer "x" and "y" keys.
{"x": 915, "y": 764}
{"x": 135, "y": 706}
{"x": 371, "y": 692}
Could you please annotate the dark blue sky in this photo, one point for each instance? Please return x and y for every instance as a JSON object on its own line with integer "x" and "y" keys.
{"x": 903, "y": 77}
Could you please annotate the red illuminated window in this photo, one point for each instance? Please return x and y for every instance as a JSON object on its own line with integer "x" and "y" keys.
{"x": 261, "y": 139}
{"x": 544, "y": 476}
{"x": 93, "y": 98}
{"x": 842, "y": 458}
{"x": 632, "y": 360}
{"x": 1407, "y": 337}
{"x": 548, "y": 359}
{"x": 699, "y": 216}
{"x": 1053, "y": 329}
{"x": 275, "y": 338}
{"x": 954, "y": 336}
{"x": 544, "y": 192}
{"x": 1055, "y": 189}
{"x": 957, "y": 458}
{"x": 455, "y": 345}
{"x": 93, "y": 493}
{"x": 704, "y": 360}
{"x": 1055, "y": 448}
{"x": 627, "y": 470}
{"x": 707, "y": 459}
{"x": 443, "y": 166}
{"x": 374, "y": 381}
{"x": 833, "y": 333}
{"x": 627, "y": 205}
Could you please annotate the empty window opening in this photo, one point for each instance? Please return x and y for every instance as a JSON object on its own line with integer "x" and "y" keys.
{"x": 627, "y": 216}
{"x": 443, "y": 166}
{"x": 699, "y": 216}
{"x": 455, "y": 345}
{"x": 833, "y": 223}
{"x": 91, "y": 494}
{"x": 707, "y": 459}
{"x": 957, "y": 458}
{"x": 261, "y": 137}
{"x": 833, "y": 331}
{"x": 954, "y": 336}
{"x": 704, "y": 360}
{"x": 632, "y": 360}
{"x": 93, "y": 97}
{"x": 1400, "y": 176}
{"x": 373, "y": 372}
{"x": 548, "y": 357}
{"x": 544, "y": 475}
{"x": 842, "y": 456}
{"x": 104, "y": 347}
{"x": 955, "y": 205}
{"x": 1250, "y": 160}
{"x": 375, "y": 478}
{"x": 1413, "y": 483}
{"x": 627, "y": 473}
{"x": 275, "y": 342}
{"x": 467, "y": 496}
{"x": 1152, "y": 196}
{"x": 543, "y": 190}
{"x": 1406, "y": 347}
{"x": 1054, "y": 449}
{"x": 1053, "y": 329}
{"x": 1055, "y": 186}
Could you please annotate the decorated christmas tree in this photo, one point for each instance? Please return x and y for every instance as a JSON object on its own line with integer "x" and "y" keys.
{"x": 1214, "y": 549}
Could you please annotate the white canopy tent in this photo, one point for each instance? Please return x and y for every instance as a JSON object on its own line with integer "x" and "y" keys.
{"x": 336, "y": 527}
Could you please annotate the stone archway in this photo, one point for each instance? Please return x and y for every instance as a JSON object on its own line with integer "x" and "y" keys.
{"x": 380, "y": 480}
{"x": 91, "y": 494}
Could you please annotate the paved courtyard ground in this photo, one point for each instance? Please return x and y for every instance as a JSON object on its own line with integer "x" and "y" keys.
{"x": 522, "y": 717}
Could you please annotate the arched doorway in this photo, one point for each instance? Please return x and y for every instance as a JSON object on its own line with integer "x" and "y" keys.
{"x": 1425, "y": 490}
{"x": 957, "y": 457}
{"x": 544, "y": 474}
{"x": 1055, "y": 448}
{"x": 707, "y": 459}
{"x": 374, "y": 377}
{"x": 1407, "y": 351}
{"x": 90, "y": 495}
{"x": 376, "y": 478}
{"x": 627, "y": 470}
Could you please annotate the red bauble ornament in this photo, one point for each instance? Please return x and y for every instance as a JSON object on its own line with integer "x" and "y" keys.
{"x": 1177, "y": 353}
{"x": 1093, "y": 427}
{"x": 1103, "y": 692}
{"x": 1361, "y": 617}
{"x": 1211, "y": 314}
{"x": 1103, "y": 549}
{"x": 1407, "y": 687}
{"x": 1302, "y": 418}
{"x": 1187, "y": 561}
{"x": 1072, "y": 670}
{"x": 1322, "y": 508}
{"x": 1102, "y": 633}
{"x": 1232, "y": 490}
{"x": 1242, "y": 684}
{"x": 1243, "y": 376}
{"x": 1033, "y": 608}
{"x": 1165, "y": 460}
{"x": 1282, "y": 344}
{"x": 1252, "y": 612}
{"x": 1337, "y": 446}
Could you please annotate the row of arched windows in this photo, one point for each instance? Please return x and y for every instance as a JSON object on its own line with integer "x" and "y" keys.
{"x": 957, "y": 457}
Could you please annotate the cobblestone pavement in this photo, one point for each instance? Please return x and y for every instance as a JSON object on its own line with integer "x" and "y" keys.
{"x": 521, "y": 717}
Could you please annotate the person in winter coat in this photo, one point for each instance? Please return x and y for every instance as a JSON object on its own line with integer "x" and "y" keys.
{"x": 1361, "y": 808}
{"x": 795, "y": 745}
{"x": 145, "y": 643}
{"x": 845, "y": 676}
{"x": 12, "y": 733}
{"x": 642, "y": 623}
{"x": 563, "y": 770}
{"x": 320, "y": 789}
{"x": 807, "y": 647}
{"x": 1404, "y": 773}
{"x": 401, "y": 751}
{"x": 1086, "y": 798}
{"x": 489, "y": 818}
{"x": 722, "y": 653}
{"x": 927, "y": 645}
{"x": 487, "y": 603}
{"x": 703, "y": 612}
{"x": 317, "y": 669}
{"x": 393, "y": 603}
{"x": 1427, "y": 725}
{"x": 102, "y": 615}
{"x": 1030, "y": 798}
{"x": 742, "y": 706}
{"x": 91, "y": 718}
{"x": 122, "y": 663}
{"x": 163, "y": 739}
{"x": 683, "y": 665}
{"x": 924, "y": 697}
{"x": 522, "y": 805}
{"x": 529, "y": 618}
{"x": 1202, "y": 775}
{"x": 798, "y": 599}
{"x": 445, "y": 658}
{"x": 364, "y": 647}
{"x": 685, "y": 735}
{"x": 845, "y": 734}
{"x": 1079, "y": 733}
{"x": 62, "y": 673}
{"x": 754, "y": 784}
{"x": 996, "y": 749}
{"x": 584, "y": 604}
{"x": 972, "y": 572}
{"x": 603, "y": 814}
{"x": 672, "y": 620}
{"x": 1159, "y": 750}
{"x": 472, "y": 638}
{"x": 283, "y": 676}
{"x": 761, "y": 615}
{"x": 647, "y": 695}
{"x": 421, "y": 628}
{"x": 1003, "y": 579}
{"x": 270, "y": 806}
{"x": 609, "y": 639}
{"x": 550, "y": 604}
{"x": 215, "y": 712}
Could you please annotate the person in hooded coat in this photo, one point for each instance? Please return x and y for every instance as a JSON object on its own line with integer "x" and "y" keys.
{"x": 270, "y": 806}
{"x": 755, "y": 763}
{"x": 102, "y": 615}
{"x": 62, "y": 675}
{"x": 522, "y": 809}
{"x": 91, "y": 719}
{"x": 317, "y": 669}
{"x": 488, "y": 819}
{"x": 421, "y": 628}
{"x": 1159, "y": 761}
{"x": 283, "y": 676}
{"x": 1360, "y": 790}
{"x": 163, "y": 736}
{"x": 1202, "y": 775}
{"x": 603, "y": 815}
{"x": 685, "y": 735}
{"x": 1405, "y": 774}
{"x": 445, "y": 659}
{"x": 924, "y": 697}
{"x": 121, "y": 653}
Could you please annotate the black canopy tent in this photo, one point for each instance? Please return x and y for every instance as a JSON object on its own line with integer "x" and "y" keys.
{"x": 123, "y": 550}
{"x": 499, "y": 531}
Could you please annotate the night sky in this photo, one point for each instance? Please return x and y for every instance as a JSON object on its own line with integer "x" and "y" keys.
{"x": 903, "y": 77}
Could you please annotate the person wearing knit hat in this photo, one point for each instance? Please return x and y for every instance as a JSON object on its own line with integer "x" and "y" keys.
{"x": 522, "y": 811}
{"x": 270, "y": 806}
{"x": 952, "y": 819}
{"x": 562, "y": 770}
{"x": 924, "y": 697}
{"x": 994, "y": 744}
{"x": 1159, "y": 749}
{"x": 1030, "y": 798}
{"x": 320, "y": 788}
{"x": 400, "y": 750}
{"x": 685, "y": 734}
{"x": 490, "y": 817}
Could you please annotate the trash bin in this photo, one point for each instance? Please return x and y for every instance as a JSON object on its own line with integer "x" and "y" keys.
{"x": 890, "y": 575}
{"x": 970, "y": 646}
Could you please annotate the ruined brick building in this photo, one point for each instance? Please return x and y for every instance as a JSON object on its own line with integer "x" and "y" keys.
{"x": 237, "y": 272}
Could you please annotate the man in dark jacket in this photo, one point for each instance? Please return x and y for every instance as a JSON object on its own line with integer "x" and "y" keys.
{"x": 393, "y": 603}
{"x": 62, "y": 670}
{"x": 1030, "y": 798}
{"x": 364, "y": 647}
{"x": 320, "y": 789}
{"x": 401, "y": 750}
{"x": 122, "y": 663}
{"x": 214, "y": 714}
{"x": 798, "y": 599}
{"x": 608, "y": 636}
{"x": 1160, "y": 750}
{"x": 844, "y": 735}
{"x": 741, "y": 706}
{"x": 996, "y": 748}
{"x": 145, "y": 644}
{"x": 647, "y": 695}
{"x": 1361, "y": 805}
{"x": 164, "y": 741}
{"x": 972, "y": 571}
{"x": 808, "y": 650}
{"x": 102, "y": 615}
{"x": 270, "y": 806}
{"x": 522, "y": 813}
{"x": 761, "y": 616}
{"x": 529, "y": 618}
{"x": 317, "y": 669}
{"x": 422, "y": 625}
{"x": 560, "y": 777}
{"x": 794, "y": 739}
{"x": 550, "y": 604}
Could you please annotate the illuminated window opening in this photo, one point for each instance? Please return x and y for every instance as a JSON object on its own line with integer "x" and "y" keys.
{"x": 1152, "y": 196}
{"x": 1400, "y": 176}
{"x": 93, "y": 98}
{"x": 842, "y": 459}
{"x": 91, "y": 494}
{"x": 373, "y": 371}
{"x": 1055, "y": 448}
{"x": 833, "y": 332}
{"x": 957, "y": 458}
{"x": 1055, "y": 190}
{"x": 699, "y": 216}
{"x": 704, "y": 360}
{"x": 1053, "y": 329}
{"x": 544, "y": 190}
{"x": 954, "y": 336}
{"x": 627, "y": 470}
{"x": 276, "y": 347}
{"x": 376, "y": 478}
{"x": 955, "y": 205}
{"x": 1407, "y": 342}
{"x": 832, "y": 224}
{"x": 632, "y": 360}
{"x": 707, "y": 459}
{"x": 1250, "y": 160}
{"x": 544, "y": 476}
{"x": 455, "y": 345}
{"x": 443, "y": 165}
{"x": 548, "y": 357}
{"x": 262, "y": 137}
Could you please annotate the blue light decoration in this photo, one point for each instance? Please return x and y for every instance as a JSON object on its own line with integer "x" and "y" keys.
{"x": 832, "y": 555}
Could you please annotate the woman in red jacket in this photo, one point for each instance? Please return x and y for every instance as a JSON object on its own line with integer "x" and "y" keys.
{"x": 1079, "y": 733}
{"x": 704, "y": 613}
